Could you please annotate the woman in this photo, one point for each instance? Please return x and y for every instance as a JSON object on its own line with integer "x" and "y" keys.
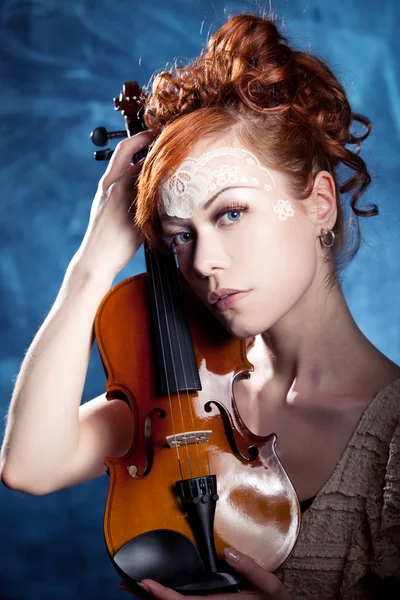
{"x": 242, "y": 181}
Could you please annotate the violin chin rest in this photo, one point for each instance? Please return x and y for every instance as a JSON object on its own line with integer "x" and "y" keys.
{"x": 172, "y": 559}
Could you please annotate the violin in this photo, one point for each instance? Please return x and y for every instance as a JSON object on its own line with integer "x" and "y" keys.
{"x": 195, "y": 479}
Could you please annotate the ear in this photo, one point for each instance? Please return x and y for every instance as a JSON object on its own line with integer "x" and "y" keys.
{"x": 324, "y": 198}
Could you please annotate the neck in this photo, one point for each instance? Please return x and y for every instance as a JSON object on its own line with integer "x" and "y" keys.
{"x": 316, "y": 347}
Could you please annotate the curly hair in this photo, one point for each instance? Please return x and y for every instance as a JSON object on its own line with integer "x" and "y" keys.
{"x": 285, "y": 105}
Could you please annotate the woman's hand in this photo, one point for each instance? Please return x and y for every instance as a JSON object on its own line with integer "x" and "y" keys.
{"x": 265, "y": 585}
{"x": 111, "y": 238}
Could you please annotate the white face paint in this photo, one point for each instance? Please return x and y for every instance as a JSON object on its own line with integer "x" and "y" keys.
{"x": 190, "y": 185}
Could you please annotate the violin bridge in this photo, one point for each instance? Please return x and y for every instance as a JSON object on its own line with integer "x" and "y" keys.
{"x": 188, "y": 437}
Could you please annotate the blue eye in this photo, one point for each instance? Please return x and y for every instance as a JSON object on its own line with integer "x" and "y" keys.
{"x": 179, "y": 239}
{"x": 175, "y": 240}
{"x": 185, "y": 236}
{"x": 231, "y": 216}
{"x": 234, "y": 215}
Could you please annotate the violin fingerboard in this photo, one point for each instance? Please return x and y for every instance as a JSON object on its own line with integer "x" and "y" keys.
{"x": 172, "y": 342}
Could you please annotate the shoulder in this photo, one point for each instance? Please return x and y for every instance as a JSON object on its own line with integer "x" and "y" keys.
{"x": 368, "y": 482}
{"x": 378, "y": 436}
{"x": 370, "y": 460}
{"x": 378, "y": 429}
{"x": 352, "y": 530}
{"x": 380, "y": 432}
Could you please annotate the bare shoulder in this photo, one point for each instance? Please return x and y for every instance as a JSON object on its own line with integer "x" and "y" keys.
{"x": 106, "y": 429}
{"x": 383, "y": 372}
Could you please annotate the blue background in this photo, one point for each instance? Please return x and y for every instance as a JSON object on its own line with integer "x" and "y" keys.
{"x": 61, "y": 64}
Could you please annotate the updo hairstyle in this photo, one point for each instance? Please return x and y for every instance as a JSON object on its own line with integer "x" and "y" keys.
{"x": 284, "y": 105}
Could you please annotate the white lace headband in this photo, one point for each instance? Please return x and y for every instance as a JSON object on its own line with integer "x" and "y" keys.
{"x": 190, "y": 185}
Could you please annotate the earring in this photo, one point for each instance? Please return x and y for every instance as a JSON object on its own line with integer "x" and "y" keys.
{"x": 327, "y": 237}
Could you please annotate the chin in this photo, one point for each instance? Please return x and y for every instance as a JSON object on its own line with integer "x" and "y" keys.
{"x": 241, "y": 330}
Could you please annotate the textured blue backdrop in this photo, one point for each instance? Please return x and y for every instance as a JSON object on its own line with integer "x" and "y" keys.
{"x": 61, "y": 63}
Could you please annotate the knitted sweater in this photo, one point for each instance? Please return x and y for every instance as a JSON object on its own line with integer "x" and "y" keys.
{"x": 349, "y": 542}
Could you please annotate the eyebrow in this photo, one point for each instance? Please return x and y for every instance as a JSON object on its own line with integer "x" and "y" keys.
{"x": 167, "y": 218}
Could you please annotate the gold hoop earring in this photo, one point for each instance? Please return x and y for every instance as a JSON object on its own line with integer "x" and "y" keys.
{"x": 327, "y": 237}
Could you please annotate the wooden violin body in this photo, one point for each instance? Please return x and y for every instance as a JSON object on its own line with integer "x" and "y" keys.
{"x": 257, "y": 511}
{"x": 195, "y": 479}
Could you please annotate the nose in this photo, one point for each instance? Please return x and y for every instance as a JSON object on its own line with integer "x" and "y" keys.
{"x": 209, "y": 256}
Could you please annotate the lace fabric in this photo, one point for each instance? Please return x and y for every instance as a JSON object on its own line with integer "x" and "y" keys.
{"x": 185, "y": 189}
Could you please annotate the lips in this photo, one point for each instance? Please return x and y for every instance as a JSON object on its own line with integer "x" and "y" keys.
{"x": 214, "y": 297}
{"x": 226, "y": 298}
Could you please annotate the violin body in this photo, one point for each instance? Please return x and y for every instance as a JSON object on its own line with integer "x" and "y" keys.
{"x": 151, "y": 528}
{"x": 195, "y": 479}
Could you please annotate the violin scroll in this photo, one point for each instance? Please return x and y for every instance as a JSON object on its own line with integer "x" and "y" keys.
{"x": 130, "y": 103}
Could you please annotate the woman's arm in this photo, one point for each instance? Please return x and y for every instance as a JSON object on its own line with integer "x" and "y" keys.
{"x": 50, "y": 441}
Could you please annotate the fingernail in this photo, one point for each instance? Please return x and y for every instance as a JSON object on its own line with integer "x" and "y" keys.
{"x": 232, "y": 555}
{"x": 144, "y": 587}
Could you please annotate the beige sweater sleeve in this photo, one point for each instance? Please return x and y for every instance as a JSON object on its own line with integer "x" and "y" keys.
{"x": 349, "y": 543}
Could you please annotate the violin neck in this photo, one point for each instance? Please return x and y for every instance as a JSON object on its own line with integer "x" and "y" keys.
{"x": 175, "y": 361}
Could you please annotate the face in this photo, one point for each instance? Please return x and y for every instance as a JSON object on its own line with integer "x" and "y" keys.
{"x": 245, "y": 245}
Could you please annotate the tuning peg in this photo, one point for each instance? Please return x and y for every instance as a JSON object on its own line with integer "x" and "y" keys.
{"x": 103, "y": 154}
{"x": 107, "y": 154}
{"x": 100, "y": 136}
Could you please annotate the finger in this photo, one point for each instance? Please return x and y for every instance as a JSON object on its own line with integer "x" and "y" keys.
{"x": 159, "y": 591}
{"x": 163, "y": 593}
{"x": 120, "y": 162}
{"x": 134, "y": 590}
{"x": 261, "y": 580}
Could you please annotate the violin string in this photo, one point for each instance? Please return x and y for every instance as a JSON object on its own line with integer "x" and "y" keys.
{"x": 185, "y": 380}
{"x": 197, "y": 401}
{"x": 165, "y": 369}
{"x": 180, "y": 468}
{"x": 172, "y": 358}
{"x": 173, "y": 365}
{"x": 163, "y": 293}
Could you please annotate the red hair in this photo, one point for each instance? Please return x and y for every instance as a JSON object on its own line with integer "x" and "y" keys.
{"x": 284, "y": 105}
